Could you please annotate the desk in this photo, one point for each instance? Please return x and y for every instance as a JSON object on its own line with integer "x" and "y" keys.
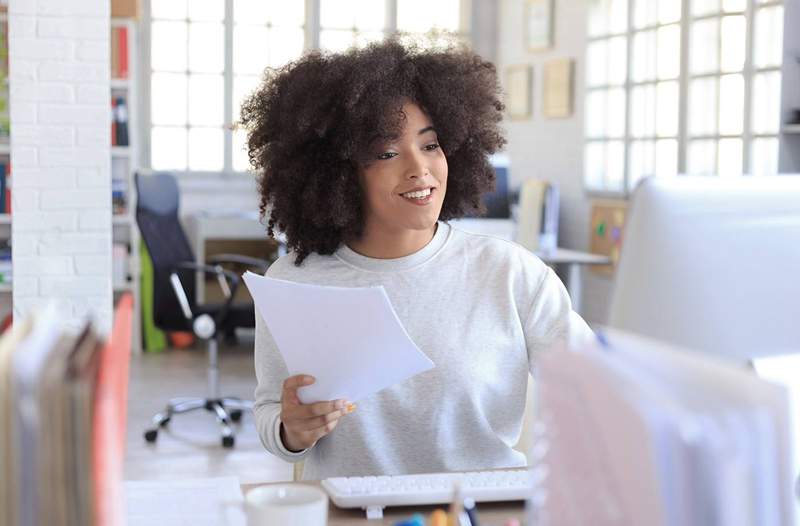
{"x": 492, "y": 513}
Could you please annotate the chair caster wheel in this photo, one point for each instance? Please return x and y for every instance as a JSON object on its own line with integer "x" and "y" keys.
{"x": 227, "y": 442}
{"x": 236, "y": 415}
{"x": 150, "y": 435}
{"x": 164, "y": 422}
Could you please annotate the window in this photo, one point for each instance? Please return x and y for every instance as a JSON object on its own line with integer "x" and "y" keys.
{"x": 206, "y": 56}
{"x": 670, "y": 92}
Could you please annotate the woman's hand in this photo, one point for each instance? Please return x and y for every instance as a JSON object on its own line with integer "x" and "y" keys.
{"x": 303, "y": 424}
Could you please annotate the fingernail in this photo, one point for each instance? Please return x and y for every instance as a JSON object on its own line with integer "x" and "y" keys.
{"x": 310, "y": 379}
{"x": 350, "y": 408}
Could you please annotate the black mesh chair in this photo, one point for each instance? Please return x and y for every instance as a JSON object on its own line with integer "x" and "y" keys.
{"x": 174, "y": 304}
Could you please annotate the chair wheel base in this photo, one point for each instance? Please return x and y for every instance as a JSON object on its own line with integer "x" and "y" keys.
{"x": 151, "y": 435}
{"x": 164, "y": 422}
{"x": 236, "y": 415}
{"x": 227, "y": 442}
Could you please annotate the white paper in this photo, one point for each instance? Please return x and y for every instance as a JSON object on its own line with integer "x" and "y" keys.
{"x": 349, "y": 339}
{"x": 196, "y": 502}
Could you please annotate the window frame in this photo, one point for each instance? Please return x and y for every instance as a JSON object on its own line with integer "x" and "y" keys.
{"x": 312, "y": 27}
{"x": 748, "y": 72}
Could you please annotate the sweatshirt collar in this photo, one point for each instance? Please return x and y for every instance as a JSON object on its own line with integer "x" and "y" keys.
{"x": 349, "y": 256}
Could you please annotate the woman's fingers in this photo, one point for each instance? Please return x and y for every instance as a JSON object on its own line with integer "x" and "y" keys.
{"x": 292, "y": 384}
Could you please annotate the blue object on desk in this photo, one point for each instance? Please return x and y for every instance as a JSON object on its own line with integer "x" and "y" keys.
{"x": 415, "y": 520}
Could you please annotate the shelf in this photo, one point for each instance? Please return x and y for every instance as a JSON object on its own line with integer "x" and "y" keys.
{"x": 120, "y": 83}
{"x": 120, "y": 151}
{"x": 120, "y": 219}
{"x": 791, "y": 129}
{"x": 120, "y": 287}
{"x": 5, "y": 219}
{"x": 5, "y": 148}
{"x": 5, "y": 288}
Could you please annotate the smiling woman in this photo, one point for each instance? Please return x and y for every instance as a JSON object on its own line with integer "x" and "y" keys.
{"x": 362, "y": 157}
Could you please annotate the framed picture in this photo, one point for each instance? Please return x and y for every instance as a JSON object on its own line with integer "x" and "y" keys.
{"x": 538, "y": 24}
{"x": 557, "y": 86}
{"x": 518, "y": 91}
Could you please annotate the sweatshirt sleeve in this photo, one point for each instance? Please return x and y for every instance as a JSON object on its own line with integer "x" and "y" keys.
{"x": 551, "y": 322}
{"x": 271, "y": 371}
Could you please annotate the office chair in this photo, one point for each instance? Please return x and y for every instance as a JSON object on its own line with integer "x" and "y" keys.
{"x": 174, "y": 305}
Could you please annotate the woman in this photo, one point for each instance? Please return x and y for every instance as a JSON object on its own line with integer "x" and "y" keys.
{"x": 362, "y": 157}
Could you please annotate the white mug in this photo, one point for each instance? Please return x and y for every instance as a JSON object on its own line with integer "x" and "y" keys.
{"x": 286, "y": 505}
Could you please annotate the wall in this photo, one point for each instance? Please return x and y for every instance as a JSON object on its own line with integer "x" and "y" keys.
{"x": 552, "y": 149}
{"x": 61, "y": 157}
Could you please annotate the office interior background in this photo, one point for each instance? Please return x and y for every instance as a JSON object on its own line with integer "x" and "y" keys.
{"x": 600, "y": 94}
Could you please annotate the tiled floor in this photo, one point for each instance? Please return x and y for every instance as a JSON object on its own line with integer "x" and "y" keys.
{"x": 191, "y": 446}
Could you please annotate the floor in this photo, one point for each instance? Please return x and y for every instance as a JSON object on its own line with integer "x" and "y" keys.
{"x": 191, "y": 446}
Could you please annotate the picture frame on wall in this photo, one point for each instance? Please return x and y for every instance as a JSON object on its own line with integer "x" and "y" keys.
{"x": 557, "y": 87}
{"x": 519, "y": 80}
{"x": 538, "y": 19}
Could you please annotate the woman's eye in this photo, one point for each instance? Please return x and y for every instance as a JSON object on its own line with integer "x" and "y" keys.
{"x": 431, "y": 147}
{"x": 386, "y": 155}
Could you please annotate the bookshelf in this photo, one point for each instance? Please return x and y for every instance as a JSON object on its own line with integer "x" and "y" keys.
{"x": 6, "y": 298}
{"x": 123, "y": 167}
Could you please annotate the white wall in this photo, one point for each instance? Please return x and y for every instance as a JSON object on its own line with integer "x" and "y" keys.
{"x": 61, "y": 157}
{"x": 552, "y": 149}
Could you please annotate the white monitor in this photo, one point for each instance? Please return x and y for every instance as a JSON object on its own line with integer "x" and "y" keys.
{"x": 713, "y": 264}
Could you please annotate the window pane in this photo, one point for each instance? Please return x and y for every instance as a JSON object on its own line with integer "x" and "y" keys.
{"x": 418, "y": 16}
{"x": 287, "y": 14}
{"x": 206, "y": 100}
{"x": 617, "y": 61}
{"x": 206, "y": 47}
{"x": 595, "y": 124}
{"x": 703, "y": 106}
{"x": 730, "y": 157}
{"x": 242, "y": 87}
{"x": 645, "y": 13}
{"x": 285, "y": 44}
{"x": 205, "y": 149}
{"x": 731, "y": 105}
{"x": 666, "y": 157}
{"x": 169, "y": 9}
{"x": 730, "y": 6}
{"x": 669, "y": 11}
{"x": 168, "y": 148}
{"x": 701, "y": 158}
{"x": 669, "y": 52}
{"x": 704, "y": 45}
{"x": 644, "y": 56}
{"x": 764, "y": 156}
{"x": 168, "y": 46}
{"x": 594, "y": 161}
{"x": 596, "y": 63}
{"x": 667, "y": 109}
{"x": 365, "y": 38}
{"x": 207, "y": 10}
{"x": 253, "y": 11}
{"x": 641, "y": 161}
{"x": 241, "y": 163}
{"x": 766, "y": 102}
{"x": 705, "y": 7}
{"x": 617, "y": 16}
{"x": 615, "y": 166}
{"x": 643, "y": 105}
{"x": 250, "y": 44}
{"x": 168, "y": 98}
{"x": 337, "y": 14}
{"x": 615, "y": 116}
{"x": 733, "y": 43}
{"x": 769, "y": 36}
{"x": 336, "y": 40}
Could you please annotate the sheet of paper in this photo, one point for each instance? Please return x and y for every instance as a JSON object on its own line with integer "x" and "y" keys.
{"x": 349, "y": 339}
{"x": 199, "y": 502}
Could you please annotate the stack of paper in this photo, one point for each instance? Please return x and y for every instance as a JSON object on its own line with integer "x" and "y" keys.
{"x": 54, "y": 461}
{"x": 638, "y": 433}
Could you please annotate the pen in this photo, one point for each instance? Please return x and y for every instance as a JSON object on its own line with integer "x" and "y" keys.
{"x": 472, "y": 511}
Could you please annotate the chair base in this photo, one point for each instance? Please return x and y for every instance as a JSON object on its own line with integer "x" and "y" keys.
{"x": 226, "y": 410}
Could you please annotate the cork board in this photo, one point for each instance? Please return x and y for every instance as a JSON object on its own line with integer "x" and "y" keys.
{"x": 607, "y": 224}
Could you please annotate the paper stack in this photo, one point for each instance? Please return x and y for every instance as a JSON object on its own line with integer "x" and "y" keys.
{"x": 635, "y": 432}
{"x": 62, "y": 407}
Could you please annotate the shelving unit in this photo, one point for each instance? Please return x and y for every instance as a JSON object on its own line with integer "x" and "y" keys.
{"x": 124, "y": 160}
{"x": 6, "y": 298}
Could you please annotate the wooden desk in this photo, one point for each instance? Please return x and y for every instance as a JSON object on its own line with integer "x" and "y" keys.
{"x": 489, "y": 513}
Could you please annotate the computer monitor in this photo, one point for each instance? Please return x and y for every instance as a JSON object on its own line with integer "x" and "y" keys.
{"x": 498, "y": 202}
{"x": 713, "y": 264}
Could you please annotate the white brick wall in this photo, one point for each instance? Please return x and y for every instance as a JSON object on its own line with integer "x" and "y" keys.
{"x": 61, "y": 157}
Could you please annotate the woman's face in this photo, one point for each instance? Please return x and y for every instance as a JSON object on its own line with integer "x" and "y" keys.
{"x": 405, "y": 181}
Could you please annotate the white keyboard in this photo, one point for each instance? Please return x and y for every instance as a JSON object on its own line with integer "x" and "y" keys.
{"x": 375, "y": 493}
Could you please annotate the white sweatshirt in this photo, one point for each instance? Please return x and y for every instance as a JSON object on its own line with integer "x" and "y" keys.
{"x": 481, "y": 308}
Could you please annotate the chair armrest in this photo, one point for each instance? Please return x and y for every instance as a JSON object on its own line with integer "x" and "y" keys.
{"x": 239, "y": 258}
{"x": 228, "y": 281}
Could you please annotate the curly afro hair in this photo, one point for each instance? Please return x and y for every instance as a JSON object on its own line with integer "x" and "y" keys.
{"x": 310, "y": 125}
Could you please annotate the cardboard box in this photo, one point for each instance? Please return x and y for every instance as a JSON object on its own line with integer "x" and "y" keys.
{"x": 126, "y": 8}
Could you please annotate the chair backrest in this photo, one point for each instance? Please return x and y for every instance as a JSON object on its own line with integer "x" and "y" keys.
{"x": 157, "y": 216}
